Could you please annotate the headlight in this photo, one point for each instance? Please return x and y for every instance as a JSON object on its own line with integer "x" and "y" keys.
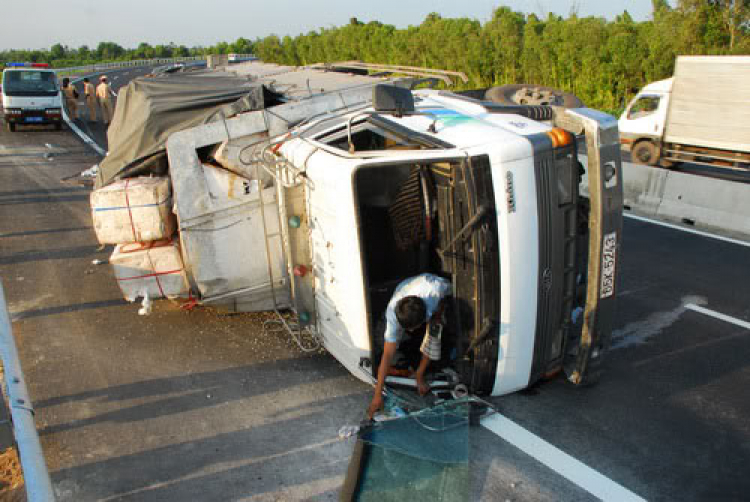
{"x": 13, "y": 111}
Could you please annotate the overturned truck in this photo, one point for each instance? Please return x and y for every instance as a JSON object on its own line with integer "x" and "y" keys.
{"x": 319, "y": 202}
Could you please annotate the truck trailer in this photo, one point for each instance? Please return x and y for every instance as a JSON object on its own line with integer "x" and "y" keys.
{"x": 700, "y": 115}
{"x": 352, "y": 183}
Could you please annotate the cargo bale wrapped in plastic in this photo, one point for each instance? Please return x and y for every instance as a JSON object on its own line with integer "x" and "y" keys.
{"x": 153, "y": 270}
{"x": 133, "y": 210}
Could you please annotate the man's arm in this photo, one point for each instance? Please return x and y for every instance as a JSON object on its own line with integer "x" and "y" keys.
{"x": 419, "y": 375}
{"x": 385, "y": 365}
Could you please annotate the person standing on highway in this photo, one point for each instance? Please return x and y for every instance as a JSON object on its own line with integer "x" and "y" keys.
{"x": 90, "y": 92}
{"x": 71, "y": 98}
{"x": 104, "y": 95}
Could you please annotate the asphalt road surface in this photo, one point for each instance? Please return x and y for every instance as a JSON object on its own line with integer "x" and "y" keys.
{"x": 199, "y": 406}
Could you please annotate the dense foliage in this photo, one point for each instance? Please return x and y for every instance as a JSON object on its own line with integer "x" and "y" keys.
{"x": 603, "y": 62}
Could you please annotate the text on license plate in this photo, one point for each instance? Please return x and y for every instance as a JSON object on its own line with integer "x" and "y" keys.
{"x": 608, "y": 265}
{"x": 34, "y": 119}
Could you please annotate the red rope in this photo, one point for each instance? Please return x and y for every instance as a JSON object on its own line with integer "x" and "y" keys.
{"x": 156, "y": 275}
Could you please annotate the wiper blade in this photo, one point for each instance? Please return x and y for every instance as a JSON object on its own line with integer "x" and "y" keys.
{"x": 470, "y": 225}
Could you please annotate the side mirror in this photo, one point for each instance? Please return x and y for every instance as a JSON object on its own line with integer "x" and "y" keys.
{"x": 392, "y": 99}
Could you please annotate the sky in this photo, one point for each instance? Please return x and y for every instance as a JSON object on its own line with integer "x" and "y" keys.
{"x": 35, "y": 24}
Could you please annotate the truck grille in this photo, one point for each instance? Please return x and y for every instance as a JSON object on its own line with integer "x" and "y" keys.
{"x": 557, "y": 234}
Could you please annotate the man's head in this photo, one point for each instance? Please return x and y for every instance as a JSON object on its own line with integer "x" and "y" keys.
{"x": 86, "y": 79}
{"x": 411, "y": 312}
{"x": 102, "y": 78}
{"x": 65, "y": 82}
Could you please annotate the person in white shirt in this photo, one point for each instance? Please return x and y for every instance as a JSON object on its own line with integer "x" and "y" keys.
{"x": 416, "y": 302}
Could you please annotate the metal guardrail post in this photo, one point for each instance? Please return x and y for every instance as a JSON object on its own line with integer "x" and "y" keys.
{"x": 36, "y": 476}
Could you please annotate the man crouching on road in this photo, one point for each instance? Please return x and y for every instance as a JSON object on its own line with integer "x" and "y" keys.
{"x": 416, "y": 308}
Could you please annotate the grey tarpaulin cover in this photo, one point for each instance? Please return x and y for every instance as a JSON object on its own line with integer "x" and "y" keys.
{"x": 150, "y": 109}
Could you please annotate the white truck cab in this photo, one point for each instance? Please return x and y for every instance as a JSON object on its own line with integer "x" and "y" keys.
{"x": 30, "y": 95}
{"x": 698, "y": 116}
{"x": 369, "y": 185}
{"x": 647, "y": 111}
{"x": 645, "y": 117}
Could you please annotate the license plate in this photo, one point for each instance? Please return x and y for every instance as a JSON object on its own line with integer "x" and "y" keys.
{"x": 34, "y": 119}
{"x": 608, "y": 265}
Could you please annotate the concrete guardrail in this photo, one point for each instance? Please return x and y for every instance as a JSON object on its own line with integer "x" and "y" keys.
{"x": 710, "y": 204}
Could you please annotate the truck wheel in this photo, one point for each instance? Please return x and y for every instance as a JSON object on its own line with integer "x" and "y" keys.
{"x": 645, "y": 152}
{"x": 58, "y": 126}
{"x": 528, "y": 94}
{"x": 11, "y": 127}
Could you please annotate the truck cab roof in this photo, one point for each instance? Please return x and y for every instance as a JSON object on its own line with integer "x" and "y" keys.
{"x": 442, "y": 121}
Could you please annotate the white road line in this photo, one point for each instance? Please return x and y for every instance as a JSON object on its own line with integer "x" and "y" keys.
{"x": 688, "y": 230}
{"x": 718, "y": 315}
{"x": 83, "y": 135}
{"x": 570, "y": 468}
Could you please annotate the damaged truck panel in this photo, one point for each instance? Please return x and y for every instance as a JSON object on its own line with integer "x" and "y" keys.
{"x": 344, "y": 200}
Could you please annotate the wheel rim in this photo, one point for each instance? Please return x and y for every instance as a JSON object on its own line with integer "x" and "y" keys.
{"x": 644, "y": 154}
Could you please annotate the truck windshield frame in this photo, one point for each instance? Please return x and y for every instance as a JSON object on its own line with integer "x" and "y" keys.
{"x": 29, "y": 83}
{"x": 643, "y": 106}
{"x": 380, "y": 134}
{"x": 458, "y": 189}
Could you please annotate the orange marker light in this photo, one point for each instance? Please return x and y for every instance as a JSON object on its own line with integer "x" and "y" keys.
{"x": 560, "y": 137}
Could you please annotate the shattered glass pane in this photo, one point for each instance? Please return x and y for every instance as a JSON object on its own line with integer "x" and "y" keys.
{"x": 423, "y": 455}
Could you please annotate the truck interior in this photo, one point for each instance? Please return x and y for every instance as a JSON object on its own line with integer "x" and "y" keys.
{"x": 423, "y": 217}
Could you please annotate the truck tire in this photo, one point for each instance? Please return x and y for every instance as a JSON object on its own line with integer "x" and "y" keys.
{"x": 528, "y": 94}
{"x": 645, "y": 152}
{"x": 11, "y": 127}
{"x": 58, "y": 126}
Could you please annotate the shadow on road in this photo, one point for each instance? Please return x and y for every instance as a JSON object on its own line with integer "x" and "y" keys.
{"x": 64, "y": 309}
{"x": 42, "y": 191}
{"x": 297, "y": 458}
{"x": 29, "y": 233}
{"x": 52, "y": 254}
{"x": 42, "y": 200}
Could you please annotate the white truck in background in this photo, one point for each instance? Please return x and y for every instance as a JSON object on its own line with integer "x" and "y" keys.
{"x": 30, "y": 95}
{"x": 700, "y": 115}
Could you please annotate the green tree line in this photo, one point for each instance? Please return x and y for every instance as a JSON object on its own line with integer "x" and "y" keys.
{"x": 603, "y": 62}
{"x": 61, "y": 56}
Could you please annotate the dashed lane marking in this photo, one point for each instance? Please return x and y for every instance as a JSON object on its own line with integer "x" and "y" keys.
{"x": 688, "y": 230}
{"x": 568, "y": 467}
{"x": 718, "y": 315}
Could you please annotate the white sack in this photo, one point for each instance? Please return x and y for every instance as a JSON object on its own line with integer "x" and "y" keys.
{"x": 133, "y": 210}
{"x": 153, "y": 269}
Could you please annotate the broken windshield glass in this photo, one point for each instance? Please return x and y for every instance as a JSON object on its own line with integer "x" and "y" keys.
{"x": 417, "y": 449}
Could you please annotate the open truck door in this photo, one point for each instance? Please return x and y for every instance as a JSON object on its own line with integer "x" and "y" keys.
{"x": 604, "y": 170}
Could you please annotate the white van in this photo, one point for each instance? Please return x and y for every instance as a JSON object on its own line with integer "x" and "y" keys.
{"x": 31, "y": 95}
